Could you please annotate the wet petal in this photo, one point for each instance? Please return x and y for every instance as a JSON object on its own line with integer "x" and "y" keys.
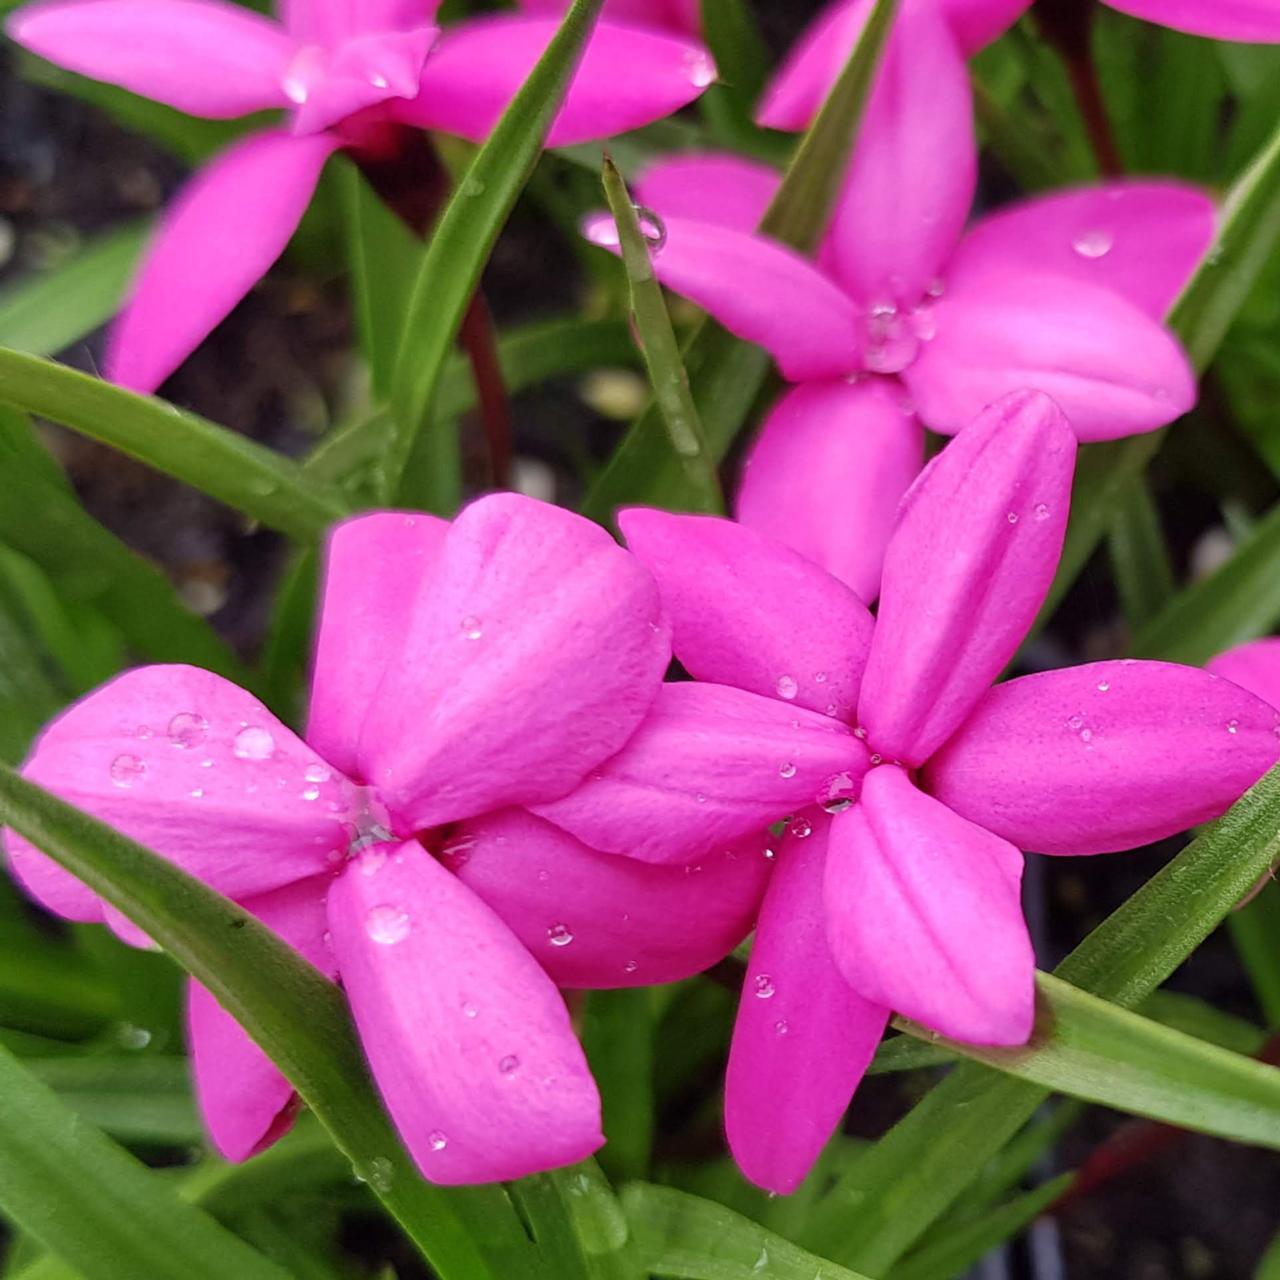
{"x": 974, "y": 552}
{"x": 1104, "y": 757}
{"x": 794, "y": 95}
{"x": 530, "y": 656}
{"x": 1254, "y": 666}
{"x": 924, "y": 914}
{"x": 803, "y": 1037}
{"x": 750, "y": 612}
{"x": 709, "y": 766}
{"x": 977, "y": 22}
{"x": 330, "y": 22}
{"x": 709, "y": 186}
{"x": 596, "y": 920}
{"x": 467, "y": 1038}
{"x": 1249, "y": 20}
{"x": 827, "y": 472}
{"x": 264, "y": 810}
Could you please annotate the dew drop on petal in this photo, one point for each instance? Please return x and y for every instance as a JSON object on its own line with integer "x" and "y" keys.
{"x": 801, "y": 827}
{"x": 188, "y": 729}
{"x": 143, "y": 731}
{"x": 197, "y": 793}
{"x": 1103, "y": 686}
{"x": 1086, "y": 735}
{"x": 787, "y": 769}
{"x": 764, "y": 987}
{"x": 469, "y": 1011}
{"x": 559, "y": 935}
{"x": 860, "y": 733}
{"x": 437, "y": 1140}
{"x": 781, "y": 1027}
{"x": 1012, "y": 517}
{"x": 700, "y": 69}
{"x": 311, "y": 793}
{"x": 253, "y": 743}
{"x": 126, "y": 770}
{"x": 1041, "y": 511}
{"x": 652, "y": 228}
{"x": 471, "y": 627}
{"x": 508, "y": 1064}
{"x": 1093, "y": 244}
{"x": 787, "y": 687}
{"x": 630, "y": 967}
{"x": 770, "y": 854}
{"x": 1233, "y": 726}
{"x": 387, "y": 925}
{"x": 316, "y": 773}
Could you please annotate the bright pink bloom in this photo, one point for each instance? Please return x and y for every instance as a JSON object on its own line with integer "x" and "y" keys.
{"x": 1254, "y": 665}
{"x": 341, "y": 71}
{"x": 462, "y": 670}
{"x": 681, "y": 16}
{"x": 910, "y": 783}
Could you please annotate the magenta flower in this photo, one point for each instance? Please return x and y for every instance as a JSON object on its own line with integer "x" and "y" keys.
{"x": 344, "y": 73}
{"x": 885, "y": 334}
{"x": 1254, "y": 665}
{"x": 680, "y": 16}
{"x": 461, "y": 671}
{"x": 910, "y": 784}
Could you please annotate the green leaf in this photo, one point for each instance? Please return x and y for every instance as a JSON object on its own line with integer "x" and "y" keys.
{"x": 688, "y": 1238}
{"x": 1144, "y": 576}
{"x": 882, "y": 1206}
{"x": 92, "y": 1203}
{"x": 1205, "y": 1021}
{"x": 618, "y": 1036}
{"x": 460, "y": 246}
{"x": 727, "y": 375}
{"x": 903, "y": 1053}
{"x": 298, "y": 1017}
{"x": 210, "y": 458}
{"x": 1255, "y": 929}
{"x": 657, "y": 340}
{"x": 1269, "y": 1266}
{"x": 45, "y": 313}
{"x": 1092, "y": 1050}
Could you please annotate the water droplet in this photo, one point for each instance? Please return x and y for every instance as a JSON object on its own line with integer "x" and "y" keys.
{"x": 1086, "y": 735}
{"x": 387, "y": 925}
{"x": 380, "y": 1174}
{"x": 860, "y": 733}
{"x": 188, "y": 729}
{"x": 876, "y": 758}
{"x": 326, "y": 940}
{"x": 316, "y": 773}
{"x": 819, "y": 677}
{"x": 630, "y": 967}
{"x": 197, "y": 793}
{"x": 471, "y": 627}
{"x": 1012, "y": 517}
{"x": 924, "y": 324}
{"x": 126, "y": 770}
{"x": 206, "y": 764}
{"x": 1103, "y": 686}
{"x": 1233, "y": 726}
{"x": 133, "y": 1037}
{"x": 764, "y": 987}
{"x": 559, "y": 935}
{"x": 469, "y": 1011}
{"x": 372, "y": 860}
{"x": 1074, "y": 723}
{"x": 437, "y": 1140}
{"x": 1093, "y": 244}
{"x": 311, "y": 793}
{"x": 253, "y": 743}
{"x": 801, "y": 827}
{"x": 652, "y": 228}
{"x": 831, "y": 708}
{"x": 700, "y": 69}
{"x": 474, "y": 187}
{"x": 890, "y": 343}
{"x": 143, "y": 731}
{"x": 770, "y": 854}
{"x": 781, "y": 1027}
{"x": 787, "y": 769}
{"x": 508, "y": 1064}
{"x": 1041, "y": 511}
{"x": 787, "y": 687}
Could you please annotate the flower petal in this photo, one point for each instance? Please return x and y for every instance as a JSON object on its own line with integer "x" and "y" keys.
{"x": 974, "y": 552}
{"x": 530, "y": 655}
{"x": 1113, "y": 370}
{"x": 977, "y": 22}
{"x": 794, "y": 95}
{"x": 468, "y": 1040}
{"x": 758, "y": 289}
{"x": 914, "y": 169}
{"x": 372, "y": 563}
{"x": 709, "y": 186}
{"x": 188, "y": 764}
{"x": 827, "y": 472}
{"x": 924, "y": 914}
{"x": 212, "y": 246}
{"x": 247, "y": 1104}
{"x": 1141, "y": 239}
{"x": 331, "y": 22}
{"x": 709, "y": 766}
{"x": 1254, "y": 666}
{"x": 203, "y": 57}
{"x": 674, "y": 15}
{"x": 628, "y": 77}
{"x": 803, "y": 1036}
{"x": 1106, "y": 756}
{"x": 595, "y": 920}
{"x": 750, "y": 612}
{"x": 1247, "y": 20}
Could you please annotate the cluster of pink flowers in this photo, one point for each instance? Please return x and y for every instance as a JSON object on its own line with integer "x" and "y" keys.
{"x": 499, "y": 793}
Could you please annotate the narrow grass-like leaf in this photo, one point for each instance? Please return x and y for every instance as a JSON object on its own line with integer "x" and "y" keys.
{"x": 93, "y": 1204}
{"x": 903, "y": 1053}
{"x": 727, "y": 375}
{"x": 661, "y": 352}
{"x": 1089, "y": 1049}
{"x": 297, "y": 1016}
{"x": 1144, "y": 576}
{"x": 618, "y": 1036}
{"x": 462, "y": 241}
{"x": 1269, "y": 1266}
{"x": 1255, "y": 929}
{"x": 882, "y": 1206}
{"x": 687, "y": 1238}
{"x": 1205, "y": 1021}
{"x": 210, "y": 458}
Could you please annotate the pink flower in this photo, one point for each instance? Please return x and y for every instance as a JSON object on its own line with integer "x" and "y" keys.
{"x": 343, "y": 72}
{"x": 893, "y": 329}
{"x": 1254, "y": 665}
{"x": 461, "y": 671}
{"x": 1257, "y": 21}
{"x": 680, "y": 16}
{"x": 910, "y": 784}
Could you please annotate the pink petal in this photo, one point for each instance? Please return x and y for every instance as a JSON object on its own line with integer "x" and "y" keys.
{"x": 529, "y": 656}
{"x": 371, "y": 563}
{"x": 977, "y": 22}
{"x": 827, "y": 472}
{"x": 133, "y": 754}
{"x": 760, "y": 290}
{"x": 246, "y": 1103}
{"x": 709, "y": 187}
{"x": 803, "y": 1037}
{"x": 810, "y": 70}
{"x": 628, "y": 77}
{"x": 1254, "y": 666}
{"x": 213, "y": 244}
{"x": 595, "y": 920}
{"x": 203, "y": 57}
{"x": 914, "y": 169}
{"x": 1106, "y": 756}
{"x": 924, "y": 914}
{"x": 709, "y": 766}
{"x": 974, "y": 552}
{"x": 674, "y": 15}
{"x": 468, "y": 1040}
{"x": 1113, "y": 370}
{"x": 1141, "y": 239}
{"x": 1250, "y": 20}
{"x": 748, "y": 611}
{"x": 331, "y": 22}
